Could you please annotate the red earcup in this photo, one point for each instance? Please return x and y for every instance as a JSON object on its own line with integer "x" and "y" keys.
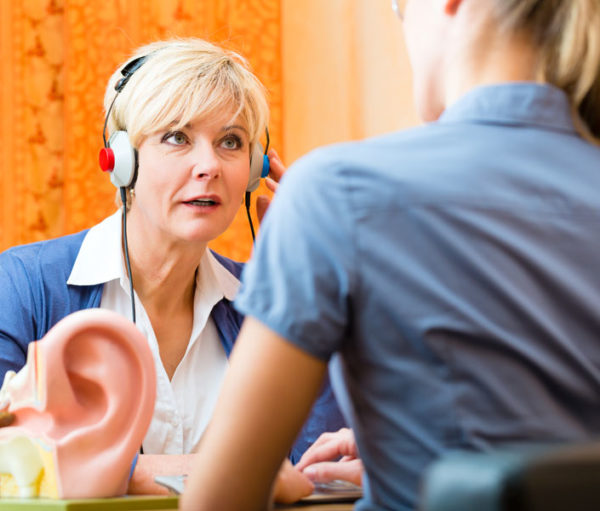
{"x": 106, "y": 159}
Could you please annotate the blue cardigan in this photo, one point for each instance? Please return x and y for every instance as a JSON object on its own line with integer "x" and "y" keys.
{"x": 34, "y": 296}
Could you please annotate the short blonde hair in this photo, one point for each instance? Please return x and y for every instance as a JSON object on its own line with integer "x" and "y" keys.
{"x": 567, "y": 35}
{"x": 183, "y": 80}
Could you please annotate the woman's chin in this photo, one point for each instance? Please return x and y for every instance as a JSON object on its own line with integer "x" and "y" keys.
{"x": 200, "y": 234}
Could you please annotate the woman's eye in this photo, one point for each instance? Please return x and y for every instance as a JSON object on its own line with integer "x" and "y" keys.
{"x": 231, "y": 142}
{"x": 177, "y": 138}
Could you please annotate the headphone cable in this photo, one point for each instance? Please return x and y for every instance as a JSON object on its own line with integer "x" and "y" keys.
{"x": 106, "y": 119}
{"x": 123, "y": 191}
{"x": 248, "y": 194}
{"x": 247, "y": 203}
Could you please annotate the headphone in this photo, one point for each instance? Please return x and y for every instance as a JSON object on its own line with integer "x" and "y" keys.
{"x": 120, "y": 158}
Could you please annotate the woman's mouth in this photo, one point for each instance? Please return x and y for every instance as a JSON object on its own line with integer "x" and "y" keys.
{"x": 202, "y": 202}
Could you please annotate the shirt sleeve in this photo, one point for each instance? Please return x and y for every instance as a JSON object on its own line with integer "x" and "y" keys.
{"x": 17, "y": 327}
{"x": 299, "y": 281}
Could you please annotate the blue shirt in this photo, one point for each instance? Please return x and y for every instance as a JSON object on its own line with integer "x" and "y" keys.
{"x": 453, "y": 270}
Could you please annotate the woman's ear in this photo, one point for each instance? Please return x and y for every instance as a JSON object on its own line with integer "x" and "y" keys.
{"x": 87, "y": 397}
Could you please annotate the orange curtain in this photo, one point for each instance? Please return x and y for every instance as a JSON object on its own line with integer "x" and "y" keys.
{"x": 57, "y": 56}
{"x": 346, "y": 74}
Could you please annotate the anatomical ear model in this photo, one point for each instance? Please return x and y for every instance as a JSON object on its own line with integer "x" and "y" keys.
{"x": 80, "y": 409}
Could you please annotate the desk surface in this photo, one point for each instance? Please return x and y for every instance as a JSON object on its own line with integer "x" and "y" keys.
{"x": 127, "y": 503}
{"x": 136, "y": 503}
{"x": 346, "y": 506}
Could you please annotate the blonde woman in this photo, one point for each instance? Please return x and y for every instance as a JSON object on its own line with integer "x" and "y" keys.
{"x": 452, "y": 269}
{"x": 190, "y": 115}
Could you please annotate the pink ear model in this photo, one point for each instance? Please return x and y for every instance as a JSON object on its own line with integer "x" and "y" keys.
{"x": 83, "y": 403}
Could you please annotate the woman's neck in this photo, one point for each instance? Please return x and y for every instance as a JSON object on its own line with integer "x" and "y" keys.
{"x": 163, "y": 270}
{"x": 483, "y": 55}
{"x": 501, "y": 66}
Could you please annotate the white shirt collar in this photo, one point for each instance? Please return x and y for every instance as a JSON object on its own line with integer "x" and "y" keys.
{"x": 226, "y": 281}
{"x": 100, "y": 260}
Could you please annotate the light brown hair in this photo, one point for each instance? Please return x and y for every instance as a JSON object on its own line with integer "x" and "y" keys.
{"x": 183, "y": 80}
{"x": 567, "y": 36}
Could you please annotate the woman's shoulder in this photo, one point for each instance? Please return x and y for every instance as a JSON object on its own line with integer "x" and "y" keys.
{"x": 331, "y": 164}
{"x": 56, "y": 252}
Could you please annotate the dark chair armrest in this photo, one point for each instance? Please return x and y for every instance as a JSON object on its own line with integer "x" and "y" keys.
{"x": 563, "y": 477}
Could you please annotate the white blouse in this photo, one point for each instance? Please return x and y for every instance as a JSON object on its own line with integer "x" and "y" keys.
{"x": 184, "y": 404}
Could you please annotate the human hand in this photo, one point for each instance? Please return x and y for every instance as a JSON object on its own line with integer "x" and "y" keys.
{"x": 291, "y": 484}
{"x": 277, "y": 169}
{"x": 149, "y": 466}
{"x": 318, "y": 464}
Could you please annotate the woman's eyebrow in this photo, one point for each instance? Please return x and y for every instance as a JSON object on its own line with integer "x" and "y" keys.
{"x": 235, "y": 126}
{"x": 228, "y": 127}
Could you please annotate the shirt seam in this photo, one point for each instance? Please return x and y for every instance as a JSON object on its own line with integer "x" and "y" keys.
{"x": 354, "y": 280}
{"x": 500, "y": 207}
{"x": 34, "y": 298}
{"x": 470, "y": 121}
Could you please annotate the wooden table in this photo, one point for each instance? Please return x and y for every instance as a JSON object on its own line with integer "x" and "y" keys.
{"x": 346, "y": 506}
{"x": 137, "y": 504}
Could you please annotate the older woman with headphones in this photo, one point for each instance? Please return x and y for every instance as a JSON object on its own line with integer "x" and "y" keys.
{"x": 182, "y": 130}
{"x": 449, "y": 272}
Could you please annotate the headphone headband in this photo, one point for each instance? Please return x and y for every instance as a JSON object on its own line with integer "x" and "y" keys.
{"x": 128, "y": 70}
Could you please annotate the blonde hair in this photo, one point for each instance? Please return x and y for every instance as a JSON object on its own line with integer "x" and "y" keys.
{"x": 567, "y": 35}
{"x": 183, "y": 80}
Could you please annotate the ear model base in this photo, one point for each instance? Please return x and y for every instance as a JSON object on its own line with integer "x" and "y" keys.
{"x": 119, "y": 158}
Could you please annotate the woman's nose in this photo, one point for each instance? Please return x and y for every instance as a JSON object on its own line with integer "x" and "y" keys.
{"x": 206, "y": 163}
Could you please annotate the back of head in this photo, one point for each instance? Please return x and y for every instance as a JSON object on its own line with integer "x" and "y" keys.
{"x": 183, "y": 80}
{"x": 567, "y": 35}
